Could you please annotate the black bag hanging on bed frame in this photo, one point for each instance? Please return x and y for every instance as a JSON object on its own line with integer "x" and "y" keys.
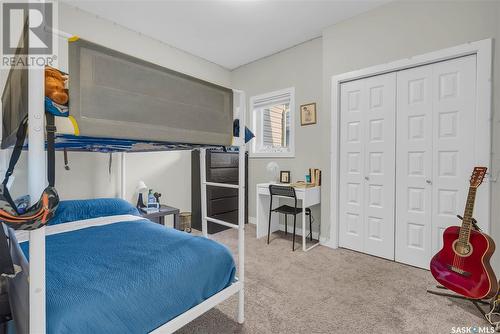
{"x": 38, "y": 214}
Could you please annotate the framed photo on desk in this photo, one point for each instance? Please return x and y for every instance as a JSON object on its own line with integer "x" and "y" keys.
{"x": 285, "y": 176}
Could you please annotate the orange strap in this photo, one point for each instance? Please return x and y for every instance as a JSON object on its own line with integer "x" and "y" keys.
{"x": 43, "y": 212}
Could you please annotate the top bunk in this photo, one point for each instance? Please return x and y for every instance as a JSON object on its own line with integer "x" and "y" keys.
{"x": 121, "y": 103}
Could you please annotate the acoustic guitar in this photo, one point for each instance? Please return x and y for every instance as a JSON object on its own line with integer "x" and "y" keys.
{"x": 463, "y": 264}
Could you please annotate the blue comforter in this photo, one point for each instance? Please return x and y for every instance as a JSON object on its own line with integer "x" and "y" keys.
{"x": 128, "y": 277}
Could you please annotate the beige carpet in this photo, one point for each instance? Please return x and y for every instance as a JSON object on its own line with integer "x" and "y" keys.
{"x": 331, "y": 291}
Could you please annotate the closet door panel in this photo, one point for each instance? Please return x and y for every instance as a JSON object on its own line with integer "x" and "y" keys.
{"x": 454, "y": 101}
{"x": 435, "y": 141}
{"x": 379, "y": 165}
{"x": 414, "y": 166}
{"x": 352, "y": 136}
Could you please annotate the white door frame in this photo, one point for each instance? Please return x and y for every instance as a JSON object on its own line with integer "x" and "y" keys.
{"x": 483, "y": 51}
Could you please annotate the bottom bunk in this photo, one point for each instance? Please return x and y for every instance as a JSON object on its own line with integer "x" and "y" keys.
{"x": 110, "y": 271}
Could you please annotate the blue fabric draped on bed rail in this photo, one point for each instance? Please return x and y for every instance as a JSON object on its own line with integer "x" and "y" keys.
{"x": 128, "y": 277}
{"x": 107, "y": 145}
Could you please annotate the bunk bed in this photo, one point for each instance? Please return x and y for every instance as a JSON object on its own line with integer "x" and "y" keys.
{"x": 119, "y": 103}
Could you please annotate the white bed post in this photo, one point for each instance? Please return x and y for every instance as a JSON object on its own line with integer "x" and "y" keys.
{"x": 123, "y": 175}
{"x": 203, "y": 177}
{"x": 241, "y": 207}
{"x": 36, "y": 183}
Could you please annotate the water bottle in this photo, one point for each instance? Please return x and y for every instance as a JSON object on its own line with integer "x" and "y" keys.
{"x": 151, "y": 199}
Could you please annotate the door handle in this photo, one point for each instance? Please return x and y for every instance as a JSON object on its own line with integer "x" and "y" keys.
{"x": 428, "y": 181}
{"x": 367, "y": 178}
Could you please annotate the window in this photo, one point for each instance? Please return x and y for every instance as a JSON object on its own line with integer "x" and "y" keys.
{"x": 273, "y": 124}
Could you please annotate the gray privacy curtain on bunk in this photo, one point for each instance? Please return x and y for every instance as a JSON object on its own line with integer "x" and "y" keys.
{"x": 114, "y": 95}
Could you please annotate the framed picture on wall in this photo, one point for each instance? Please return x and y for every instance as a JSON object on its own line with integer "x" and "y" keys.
{"x": 285, "y": 176}
{"x": 308, "y": 114}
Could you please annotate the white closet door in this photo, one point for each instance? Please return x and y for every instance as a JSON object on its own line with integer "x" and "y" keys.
{"x": 414, "y": 166}
{"x": 435, "y": 140}
{"x": 367, "y": 166}
{"x": 352, "y": 135}
{"x": 454, "y": 101}
{"x": 380, "y": 165}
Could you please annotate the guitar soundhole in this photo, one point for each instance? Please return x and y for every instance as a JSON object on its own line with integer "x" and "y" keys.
{"x": 461, "y": 248}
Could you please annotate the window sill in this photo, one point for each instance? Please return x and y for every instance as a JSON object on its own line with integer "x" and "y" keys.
{"x": 252, "y": 155}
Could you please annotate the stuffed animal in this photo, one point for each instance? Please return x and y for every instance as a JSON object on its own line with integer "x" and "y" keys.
{"x": 55, "y": 86}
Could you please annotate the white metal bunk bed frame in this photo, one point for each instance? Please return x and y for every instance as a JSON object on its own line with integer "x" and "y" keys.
{"x": 37, "y": 182}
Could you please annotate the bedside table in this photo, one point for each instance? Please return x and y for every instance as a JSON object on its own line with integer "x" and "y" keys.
{"x": 159, "y": 216}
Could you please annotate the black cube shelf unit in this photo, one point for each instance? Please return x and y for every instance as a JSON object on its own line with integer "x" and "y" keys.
{"x": 222, "y": 203}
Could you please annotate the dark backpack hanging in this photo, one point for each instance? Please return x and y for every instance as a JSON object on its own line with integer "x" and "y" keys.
{"x": 39, "y": 213}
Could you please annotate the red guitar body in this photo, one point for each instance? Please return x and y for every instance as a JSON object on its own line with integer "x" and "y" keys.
{"x": 471, "y": 275}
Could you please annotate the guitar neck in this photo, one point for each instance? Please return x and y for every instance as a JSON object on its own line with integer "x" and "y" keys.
{"x": 467, "y": 218}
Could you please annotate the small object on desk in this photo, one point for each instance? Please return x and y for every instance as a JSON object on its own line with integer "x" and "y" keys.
{"x": 272, "y": 169}
{"x": 302, "y": 184}
{"x": 139, "y": 189}
{"x": 151, "y": 199}
{"x": 158, "y": 215}
{"x": 308, "y": 178}
{"x": 157, "y": 197}
{"x": 285, "y": 176}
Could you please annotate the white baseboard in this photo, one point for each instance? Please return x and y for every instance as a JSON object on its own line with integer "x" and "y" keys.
{"x": 252, "y": 220}
{"x": 327, "y": 243}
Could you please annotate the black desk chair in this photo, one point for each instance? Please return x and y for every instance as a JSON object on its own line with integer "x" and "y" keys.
{"x": 286, "y": 191}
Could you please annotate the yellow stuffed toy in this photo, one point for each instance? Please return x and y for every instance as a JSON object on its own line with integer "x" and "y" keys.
{"x": 55, "y": 86}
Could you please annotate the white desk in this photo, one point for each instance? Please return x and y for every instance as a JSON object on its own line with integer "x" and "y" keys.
{"x": 307, "y": 196}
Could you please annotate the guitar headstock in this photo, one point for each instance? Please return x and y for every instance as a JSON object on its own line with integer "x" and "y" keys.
{"x": 477, "y": 176}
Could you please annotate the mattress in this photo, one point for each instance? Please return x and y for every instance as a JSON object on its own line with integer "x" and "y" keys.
{"x": 125, "y": 274}
{"x": 115, "y": 95}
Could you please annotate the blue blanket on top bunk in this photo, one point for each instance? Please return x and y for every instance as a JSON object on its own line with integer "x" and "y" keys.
{"x": 128, "y": 277}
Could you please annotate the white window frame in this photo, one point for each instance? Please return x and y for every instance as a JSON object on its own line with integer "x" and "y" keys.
{"x": 273, "y": 97}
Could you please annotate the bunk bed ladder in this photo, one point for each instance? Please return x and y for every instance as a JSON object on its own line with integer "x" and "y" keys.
{"x": 240, "y": 142}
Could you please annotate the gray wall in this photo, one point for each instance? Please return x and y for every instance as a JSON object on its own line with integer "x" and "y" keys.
{"x": 404, "y": 29}
{"x": 299, "y": 67}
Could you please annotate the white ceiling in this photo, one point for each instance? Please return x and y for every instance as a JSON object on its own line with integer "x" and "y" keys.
{"x": 229, "y": 33}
